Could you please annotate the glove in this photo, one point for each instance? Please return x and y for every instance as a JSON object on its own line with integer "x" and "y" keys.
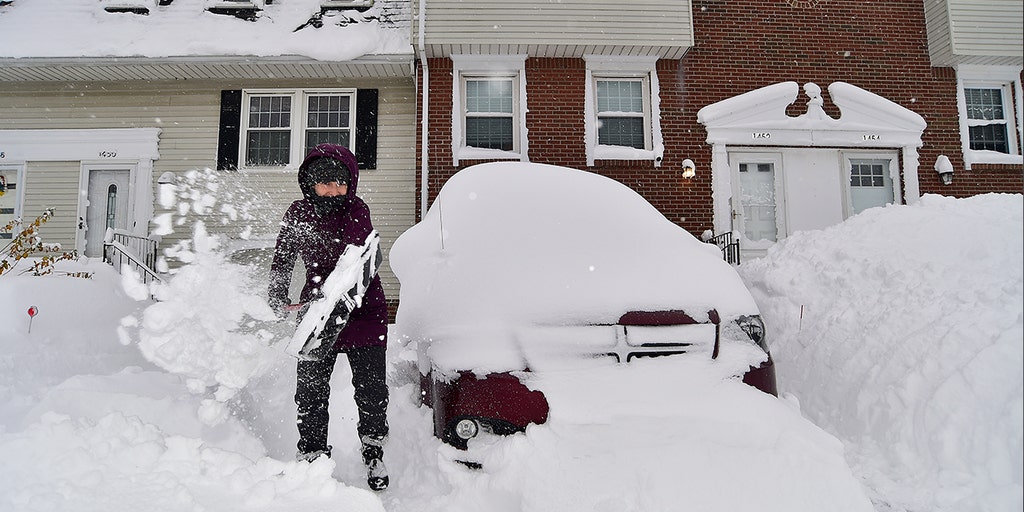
{"x": 278, "y": 305}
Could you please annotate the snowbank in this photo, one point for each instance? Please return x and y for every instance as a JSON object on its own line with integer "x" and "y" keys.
{"x": 900, "y": 331}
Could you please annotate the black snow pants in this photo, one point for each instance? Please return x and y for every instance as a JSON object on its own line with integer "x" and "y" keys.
{"x": 313, "y": 392}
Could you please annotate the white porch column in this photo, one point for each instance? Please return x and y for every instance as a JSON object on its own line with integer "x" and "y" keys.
{"x": 721, "y": 188}
{"x": 911, "y": 183}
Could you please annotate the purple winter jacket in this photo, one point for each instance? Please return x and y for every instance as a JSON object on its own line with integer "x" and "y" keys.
{"x": 320, "y": 239}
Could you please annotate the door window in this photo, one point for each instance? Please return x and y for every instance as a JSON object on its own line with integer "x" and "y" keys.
{"x": 757, "y": 201}
{"x": 870, "y": 184}
{"x": 111, "y": 205}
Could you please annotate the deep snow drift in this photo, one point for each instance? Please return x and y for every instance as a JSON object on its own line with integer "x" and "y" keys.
{"x": 901, "y": 332}
{"x": 907, "y": 350}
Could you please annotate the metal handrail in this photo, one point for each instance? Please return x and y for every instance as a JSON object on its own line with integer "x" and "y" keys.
{"x": 122, "y": 248}
{"x": 730, "y": 248}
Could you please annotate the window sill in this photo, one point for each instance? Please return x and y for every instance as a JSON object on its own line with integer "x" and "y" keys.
{"x": 603, "y": 152}
{"x": 973, "y": 157}
{"x": 470, "y": 153}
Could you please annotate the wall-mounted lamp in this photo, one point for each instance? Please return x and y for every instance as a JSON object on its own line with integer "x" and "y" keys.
{"x": 689, "y": 170}
{"x": 945, "y": 169}
{"x": 166, "y": 192}
{"x": 166, "y": 178}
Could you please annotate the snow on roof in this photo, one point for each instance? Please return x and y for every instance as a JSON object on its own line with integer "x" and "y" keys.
{"x": 766, "y": 108}
{"x": 186, "y": 28}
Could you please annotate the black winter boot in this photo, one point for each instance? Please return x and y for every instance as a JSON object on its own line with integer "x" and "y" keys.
{"x": 313, "y": 455}
{"x": 373, "y": 458}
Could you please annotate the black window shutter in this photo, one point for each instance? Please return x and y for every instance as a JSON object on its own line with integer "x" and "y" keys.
{"x": 366, "y": 128}
{"x": 230, "y": 124}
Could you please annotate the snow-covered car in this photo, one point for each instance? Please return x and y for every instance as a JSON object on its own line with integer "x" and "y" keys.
{"x": 520, "y": 268}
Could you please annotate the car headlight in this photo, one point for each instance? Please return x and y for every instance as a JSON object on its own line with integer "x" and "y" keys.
{"x": 753, "y": 326}
{"x": 467, "y": 429}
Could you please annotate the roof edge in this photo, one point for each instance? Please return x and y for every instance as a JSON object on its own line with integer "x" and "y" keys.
{"x": 57, "y": 69}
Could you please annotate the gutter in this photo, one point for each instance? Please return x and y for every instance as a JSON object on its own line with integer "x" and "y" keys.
{"x": 425, "y": 91}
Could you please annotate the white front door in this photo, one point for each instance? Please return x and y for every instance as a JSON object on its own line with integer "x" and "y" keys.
{"x": 107, "y": 207}
{"x": 757, "y": 207}
{"x": 870, "y": 183}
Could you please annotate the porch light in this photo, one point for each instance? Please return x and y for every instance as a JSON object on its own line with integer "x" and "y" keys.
{"x": 945, "y": 169}
{"x": 689, "y": 169}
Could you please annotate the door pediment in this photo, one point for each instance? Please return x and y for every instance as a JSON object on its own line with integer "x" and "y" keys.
{"x": 759, "y": 117}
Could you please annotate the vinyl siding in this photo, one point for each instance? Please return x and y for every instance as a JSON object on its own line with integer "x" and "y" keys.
{"x": 988, "y": 32}
{"x": 53, "y": 185}
{"x": 188, "y": 115}
{"x": 568, "y": 28}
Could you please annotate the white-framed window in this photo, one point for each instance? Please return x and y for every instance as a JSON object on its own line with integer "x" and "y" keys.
{"x": 622, "y": 109}
{"x": 488, "y": 115}
{"x": 989, "y": 104}
{"x": 279, "y": 126}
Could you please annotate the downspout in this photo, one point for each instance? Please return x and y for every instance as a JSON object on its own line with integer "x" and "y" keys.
{"x": 424, "y": 90}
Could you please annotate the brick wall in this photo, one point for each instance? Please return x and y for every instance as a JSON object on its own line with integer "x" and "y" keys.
{"x": 555, "y": 92}
{"x": 879, "y": 46}
{"x": 742, "y": 45}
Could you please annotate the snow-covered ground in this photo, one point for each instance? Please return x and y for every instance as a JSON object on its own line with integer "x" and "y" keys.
{"x": 898, "y": 333}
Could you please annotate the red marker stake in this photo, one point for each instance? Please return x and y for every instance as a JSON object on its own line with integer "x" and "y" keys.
{"x": 32, "y": 312}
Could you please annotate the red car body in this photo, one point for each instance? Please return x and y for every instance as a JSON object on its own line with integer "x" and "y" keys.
{"x": 499, "y": 403}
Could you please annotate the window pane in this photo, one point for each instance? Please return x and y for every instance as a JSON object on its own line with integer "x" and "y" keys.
{"x": 991, "y": 137}
{"x": 984, "y": 104}
{"x": 489, "y": 132}
{"x": 621, "y": 131}
{"x": 620, "y": 96}
{"x": 620, "y": 113}
{"x": 270, "y": 111}
{"x": 111, "y": 206}
{"x": 757, "y": 201}
{"x": 314, "y": 137}
{"x": 267, "y": 147}
{"x": 328, "y": 111}
{"x": 493, "y": 95}
{"x": 867, "y": 175}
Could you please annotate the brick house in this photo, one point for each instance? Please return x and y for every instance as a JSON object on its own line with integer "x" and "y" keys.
{"x": 634, "y": 91}
{"x": 795, "y": 114}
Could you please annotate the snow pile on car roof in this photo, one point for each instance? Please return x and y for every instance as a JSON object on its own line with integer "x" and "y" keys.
{"x": 511, "y": 244}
